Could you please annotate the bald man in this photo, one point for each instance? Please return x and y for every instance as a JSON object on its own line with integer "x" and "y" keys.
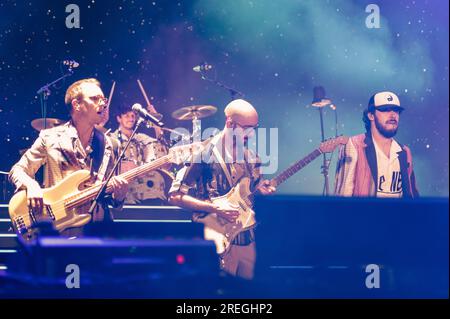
{"x": 229, "y": 161}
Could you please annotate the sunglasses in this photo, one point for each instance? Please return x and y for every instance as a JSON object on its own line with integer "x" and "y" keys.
{"x": 389, "y": 109}
{"x": 99, "y": 98}
{"x": 246, "y": 127}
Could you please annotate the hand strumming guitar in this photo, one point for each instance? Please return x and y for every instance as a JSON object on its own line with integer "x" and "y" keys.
{"x": 266, "y": 188}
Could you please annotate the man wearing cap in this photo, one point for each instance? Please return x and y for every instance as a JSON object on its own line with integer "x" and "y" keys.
{"x": 215, "y": 176}
{"x": 374, "y": 164}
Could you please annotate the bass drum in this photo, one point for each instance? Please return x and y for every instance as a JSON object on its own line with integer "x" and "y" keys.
{"x": 152, "y": 188}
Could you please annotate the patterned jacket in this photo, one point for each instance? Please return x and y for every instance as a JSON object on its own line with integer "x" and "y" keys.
{"x": 356, "y": 171}
{"x": 60, "y": 150}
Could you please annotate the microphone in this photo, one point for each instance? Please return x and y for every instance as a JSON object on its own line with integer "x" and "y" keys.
{"x": 319, "y": 99}
{"x": 146, "y": 115}
{"x": 203, "y": 67}
{"x": 71, "y": 63}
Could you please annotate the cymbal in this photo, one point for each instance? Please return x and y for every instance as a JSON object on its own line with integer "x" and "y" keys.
{"x": 322, "y": 103}
{"x": 194, "y": 111}
{"x": 38, "y": 124}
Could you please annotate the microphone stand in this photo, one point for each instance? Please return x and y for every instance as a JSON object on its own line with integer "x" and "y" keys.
{"x": 101, "y": 192}
{"x": 45, "y": 92}
{"x": 335, "y": 121}
{"x": 233, "y": 92}
{"x": 333, "y": 107}
{"x": 326, "y": 162}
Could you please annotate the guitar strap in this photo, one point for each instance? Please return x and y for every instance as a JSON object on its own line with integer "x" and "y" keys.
{"x": 220, "y": 159}
{"x": 104, "y": 166}
{"x": 106, "y": 156}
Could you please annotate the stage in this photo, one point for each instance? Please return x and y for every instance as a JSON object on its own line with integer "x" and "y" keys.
{"x": 307, "y": 247}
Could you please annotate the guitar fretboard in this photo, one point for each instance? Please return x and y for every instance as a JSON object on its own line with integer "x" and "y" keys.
{"x": 89, "y": 193}
{"x": 294, "y": 168}
{"x": 145, "y": 168}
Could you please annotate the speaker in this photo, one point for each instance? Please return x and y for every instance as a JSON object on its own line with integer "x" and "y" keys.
{"x": 316, "y": 247}
{"x": 117, "y": 268}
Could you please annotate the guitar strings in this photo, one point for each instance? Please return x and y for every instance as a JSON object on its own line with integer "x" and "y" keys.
{"x": 86, "y": 194}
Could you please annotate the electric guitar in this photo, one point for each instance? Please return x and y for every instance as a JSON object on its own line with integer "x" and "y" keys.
{"x": 240, "y": 198}
{"x": 66, "y": 204}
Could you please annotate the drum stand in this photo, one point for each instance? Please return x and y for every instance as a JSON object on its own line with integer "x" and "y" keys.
{"x": 196, "y": 130}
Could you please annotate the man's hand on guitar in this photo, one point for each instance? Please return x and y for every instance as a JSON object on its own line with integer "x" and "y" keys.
{"x": 34, "y": 196}
{"x": 265, "y": 188}
{"x": 120, "y": 188}
{"x": 229, "y": 214}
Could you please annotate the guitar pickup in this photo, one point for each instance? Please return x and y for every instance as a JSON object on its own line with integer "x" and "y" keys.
{"x": 48, "y": 208}
{"x": 31, "y": 214}
{"x": 19, "y": 224}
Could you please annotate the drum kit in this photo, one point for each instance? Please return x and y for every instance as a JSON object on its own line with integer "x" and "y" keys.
{"x": 153, "y": 187}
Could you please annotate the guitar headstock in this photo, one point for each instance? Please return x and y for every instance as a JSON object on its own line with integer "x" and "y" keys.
{"x": 330, "y": 144}
{"x": 182, "y": 153}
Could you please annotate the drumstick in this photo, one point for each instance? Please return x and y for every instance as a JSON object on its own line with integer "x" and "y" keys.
{"x": 106, "y": 113}
{"x": 149, "y": 105}
{"x": 151, "y": 108}
{"x": 111, "y": 93}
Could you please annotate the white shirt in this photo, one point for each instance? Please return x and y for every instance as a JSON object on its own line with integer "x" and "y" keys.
{"x": 389, "y": 182}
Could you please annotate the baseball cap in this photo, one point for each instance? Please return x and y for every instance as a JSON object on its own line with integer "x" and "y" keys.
{"x": 383, "y": 101}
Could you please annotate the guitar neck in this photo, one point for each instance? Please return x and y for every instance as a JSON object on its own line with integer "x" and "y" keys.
{"x": 145, "y": 168}
{"x": 294, "y": 168}
{"x": 90, "y": 192}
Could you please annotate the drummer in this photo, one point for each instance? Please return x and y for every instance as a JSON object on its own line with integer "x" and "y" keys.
{"x": 142, "y": 148}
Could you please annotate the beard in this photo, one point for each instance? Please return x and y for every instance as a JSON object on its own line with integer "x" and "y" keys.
{"x": 387, "y": 133}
